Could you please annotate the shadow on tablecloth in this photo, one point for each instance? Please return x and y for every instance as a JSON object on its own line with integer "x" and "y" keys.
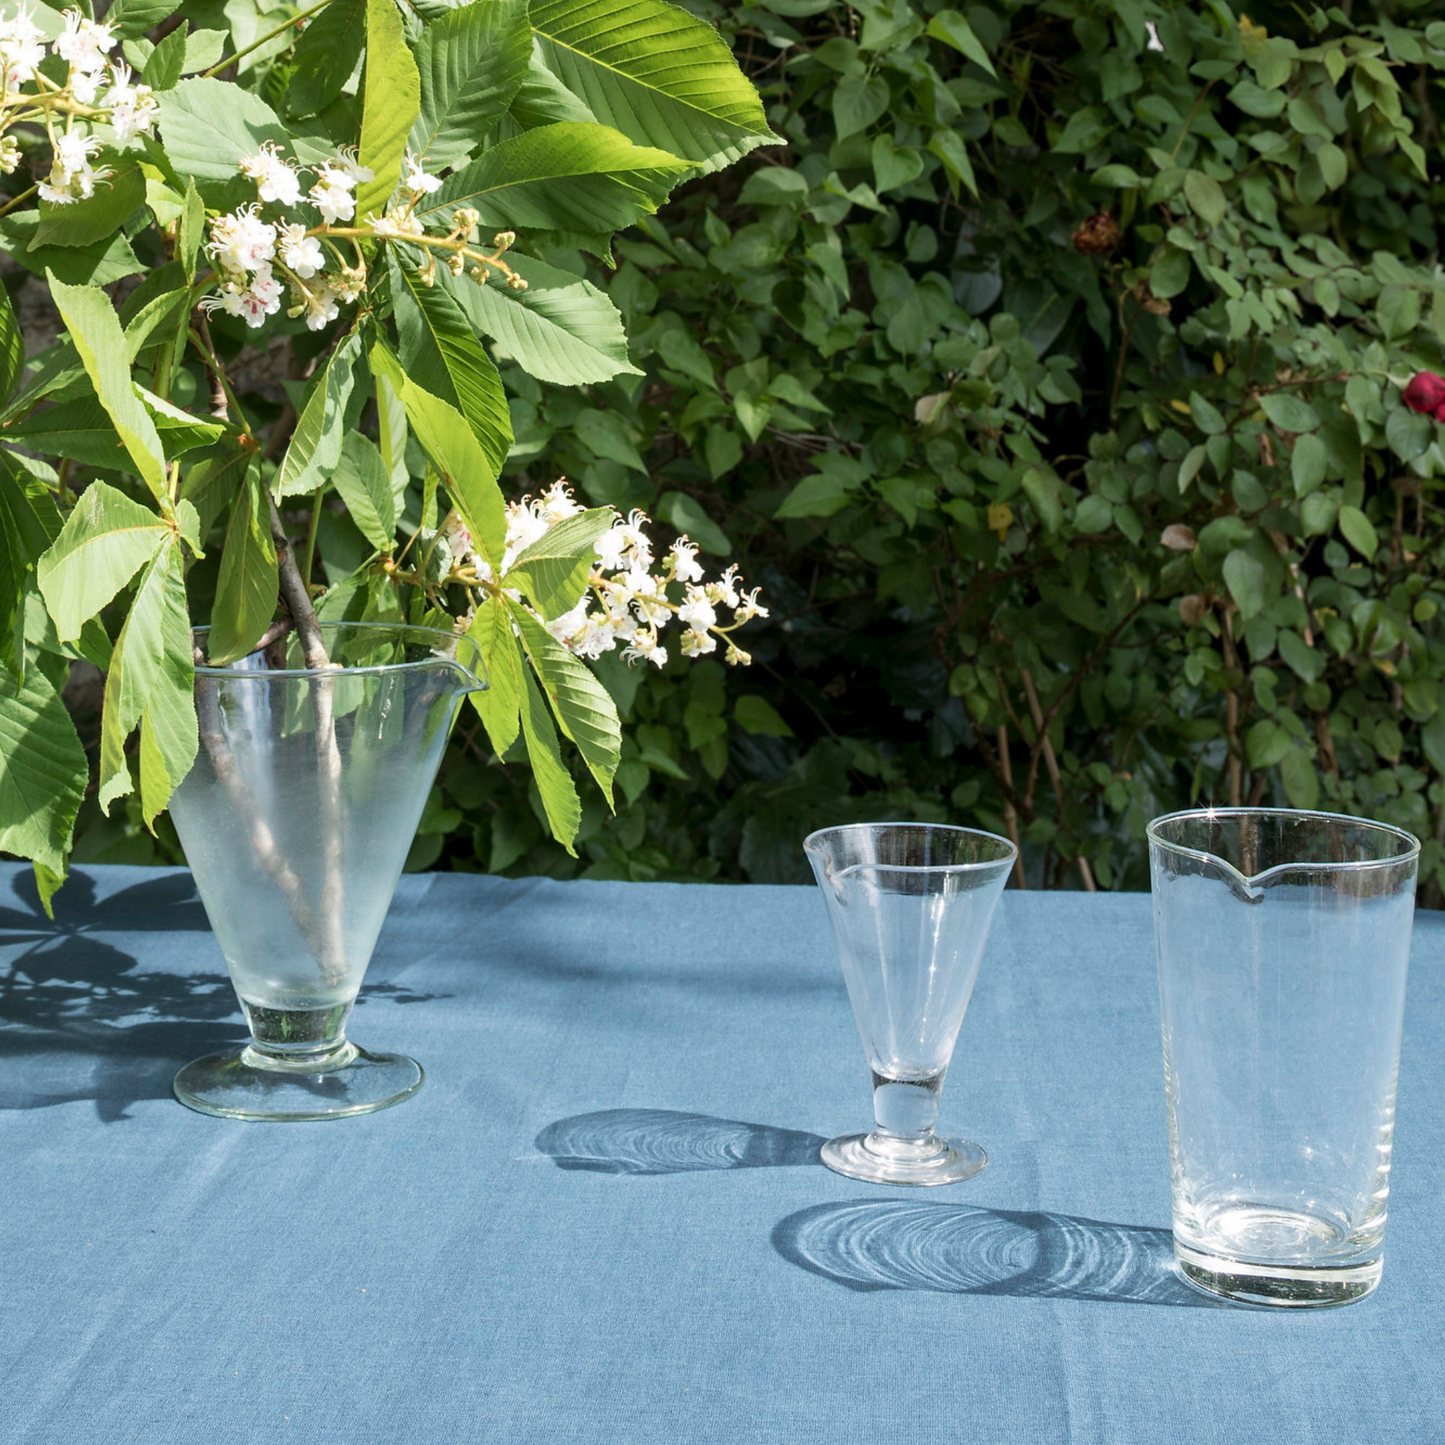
{"x": 82, "y": 1019}
{"x": 963, "y": 1249}
{"x": 667, "y": 1141}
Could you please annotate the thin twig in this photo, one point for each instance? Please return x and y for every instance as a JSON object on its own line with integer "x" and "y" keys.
{"x": 1010, "y": 814}
{"x": 1052, "y": 763}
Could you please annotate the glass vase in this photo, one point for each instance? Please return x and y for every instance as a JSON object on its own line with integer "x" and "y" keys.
{"x": 296, "y": 820}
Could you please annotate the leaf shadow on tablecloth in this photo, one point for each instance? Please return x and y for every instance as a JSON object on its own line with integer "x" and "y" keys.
{"x": 669, "y": 1141}
{"x": 964, "y": 1249}
{"x": 83, "y": 1019}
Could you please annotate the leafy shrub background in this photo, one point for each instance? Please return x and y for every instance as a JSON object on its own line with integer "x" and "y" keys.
{"x": 1053, "y": 541}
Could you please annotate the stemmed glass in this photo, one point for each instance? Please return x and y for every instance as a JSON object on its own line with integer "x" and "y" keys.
{"x": 910, "y": 905}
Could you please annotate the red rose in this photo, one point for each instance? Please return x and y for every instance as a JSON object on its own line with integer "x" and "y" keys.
{"x": 1426, "y": 392}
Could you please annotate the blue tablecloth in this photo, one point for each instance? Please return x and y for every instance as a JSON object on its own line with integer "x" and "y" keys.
{"x": 603, "y": 1218}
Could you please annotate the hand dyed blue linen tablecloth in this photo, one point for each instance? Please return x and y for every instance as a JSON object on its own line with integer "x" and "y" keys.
{"x": 603, "y": 1217}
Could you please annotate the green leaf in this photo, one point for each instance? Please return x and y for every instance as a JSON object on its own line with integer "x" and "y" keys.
{"x": 948, "y": 146}
{"x": 553, "y": 571}
{"x": 561, "y": 329}
{"x": 1169, "y": 275}
{"x": 362, "y": 482}
{"x": 1245, "y": 576}
{"x": 150, "y": 682}
{"x": 554, "y": 783}
{"x": 247, "y": 584}
{"x": 391, "y": 100}
{"x": 1205, "y": 197}
{"x": 315, "y": 445}
{"x": 441, "y": 354}
{"x": 1301, "y": 781}
{"x": 1359, "y": 532}
{"x": 28, "y": 524}
{"x": 542, "y": 99}
{"x": 135, "y": 17}
{"x": 12, "y": 347}
{"x": 567, "y": 177}
{"x": 605, "y": 434}
{"x": 1206, "y": 415}
{"x": 82, "y": 223}
{"x": 106, "y": 540}
{"x": 757, "y": 715}
{"x": 325, "y": 56}
{"x": 472, "y": 62}
{"x": 584, "y": 709}
{"x": 43, "y": 770}
{"x": 857, "y": 103}
{"x": 1300, "y": 656}
{"x": 1409, "y": 433}
{"x": 1307, "y": 464}
{"x": 950, "y": 27}
{"x": 1289, "y": 413}
{"x": 499, "y": 706}
{"x": 98, "y": 264}
{"x": 190, "y": 230}
{"x": 208, "y": 125}
{"x": 1045, "y": 491}
{"x": 456, "y": 453}
{"x": 100, "y": 343}
{"x": 687, "y": 515}
{"x": 167, "y": 62}
{"x": 656, "y": 73}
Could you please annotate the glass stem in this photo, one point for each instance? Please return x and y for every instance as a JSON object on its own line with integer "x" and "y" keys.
{"x": 906, "y": 1110}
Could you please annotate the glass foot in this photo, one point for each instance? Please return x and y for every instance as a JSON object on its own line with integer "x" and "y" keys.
{"x": 883, "y": 1160}
{"x": 1277, "y": 1285}
{"x": 326, "y": 1085}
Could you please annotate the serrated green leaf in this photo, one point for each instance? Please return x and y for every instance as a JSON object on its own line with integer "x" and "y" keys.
{"x": 98, "y": 264}
{"x": 441, "y": 354}
{"x": 456, "y": 453}
{"x": 499, "y": 706}
{"x": 362, "y": 482}
{"x": 150, "y": 682}
{"x": 43, "y": 770}
{"x": 190, "y": 230}
{"x": 167, "y": 62}
{"x": 12, "y": 347}
{"x": 28, "y": 524}
{"x": 1408, "y": 433}
{"x": 391, "y": 100}
{"x": 554, "y": 783}
{"x": 1301, "y": 781}
{"x": 315, "y": 445}
{"x": 208, "y": 125}
{"x": 1307, "y": 464}
{"x": 656, "y": 73}
{"x": 135, "y": 17}
{"x": 471, "y": 62}
{"x": 561, "y": 329}
{"x": 325, "y": 56}
{"x": 565, "y": 177}
{"x": 106, "y": 540}
{"x": 584, "y": 709}
{"x": 95, "y": 330}
{"x": 686, "y": 514}
{"x": 247, "y": 584}
{"x": 553, "y": 571}
{"x": 1206, "y": 415}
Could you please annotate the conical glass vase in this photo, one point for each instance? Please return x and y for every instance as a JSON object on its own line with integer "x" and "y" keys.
{"x": 296, "y": 820}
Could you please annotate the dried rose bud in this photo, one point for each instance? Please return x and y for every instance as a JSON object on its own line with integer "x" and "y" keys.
{"x": 1426, "y": 393}
{"x": 1192, "y": 609}
{"x": 1177, "y": 537}
{"x": 1098, "y": 235}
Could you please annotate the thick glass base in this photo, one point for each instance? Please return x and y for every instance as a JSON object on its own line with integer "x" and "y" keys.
{"x": 324, "y": 1084}
{"x": 886, "y": 1159}
{"x": 1293, "y": 1287}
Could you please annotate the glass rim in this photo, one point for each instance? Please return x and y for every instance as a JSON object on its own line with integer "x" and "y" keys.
{"x": 1008, "y": 860}
{"x": 230, "y": 670}
{"x": 1410, "y": 854}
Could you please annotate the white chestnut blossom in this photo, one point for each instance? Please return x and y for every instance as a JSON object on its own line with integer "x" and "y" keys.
{"x": 241, "y": 242}
{"x": 72, "y": 178}
{"x": 22, "y": 47}
{"x": 133, "y": 109}
{"x": 84, "y": 43}
{"x": 275, "y": 177}
{"x": 299, "y": 252}
{"x": 414, "y": 180}
{"x": 332, "y": 194}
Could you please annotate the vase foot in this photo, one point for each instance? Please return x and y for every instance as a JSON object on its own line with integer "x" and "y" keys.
{"x": 247, "y": 1085}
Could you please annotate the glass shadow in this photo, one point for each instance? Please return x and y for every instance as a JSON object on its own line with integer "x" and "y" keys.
{"x": 668, "y": 1141}
{"x": 82, "y": 1020}
{"x": 964, "y": 1249}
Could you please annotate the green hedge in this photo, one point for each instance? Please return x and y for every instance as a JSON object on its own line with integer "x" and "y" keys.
{"x": 1050, "y": 384}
